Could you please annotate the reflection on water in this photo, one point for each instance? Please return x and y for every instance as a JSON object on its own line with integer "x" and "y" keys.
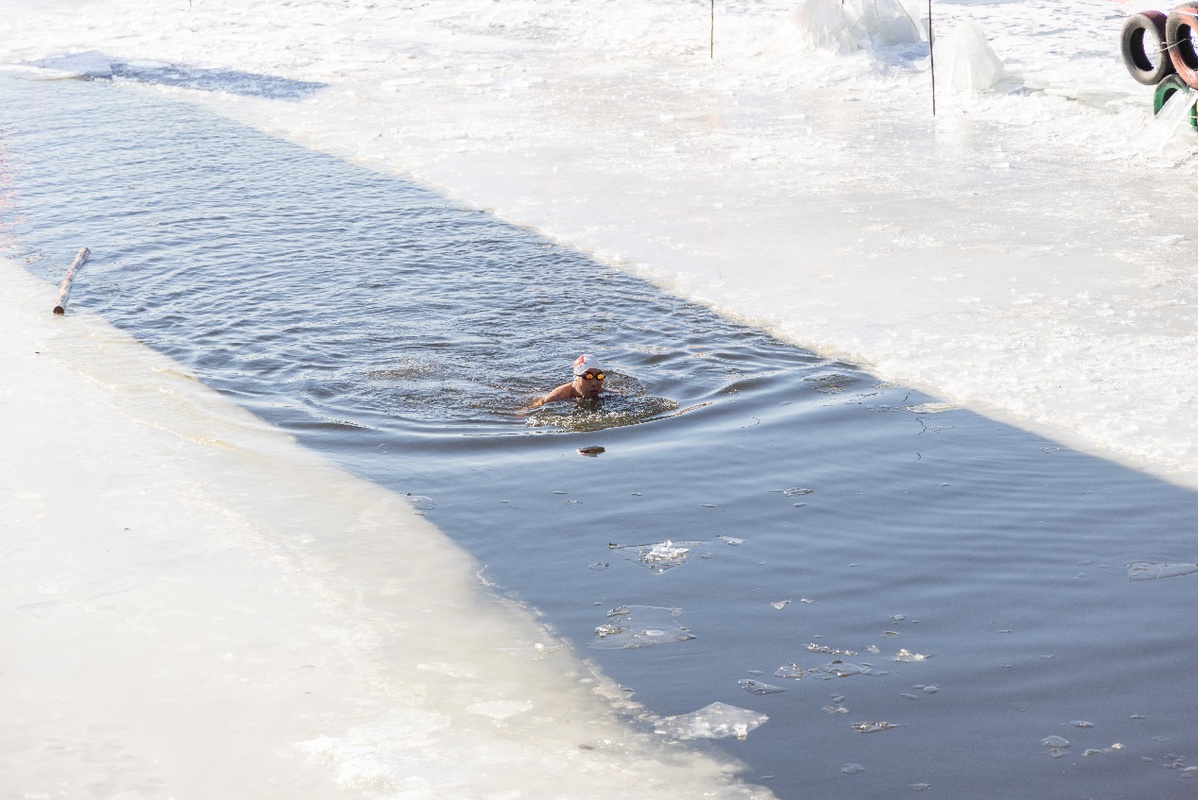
{"x": 914, "y": 568}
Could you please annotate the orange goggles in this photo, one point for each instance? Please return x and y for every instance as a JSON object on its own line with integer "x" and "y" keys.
{"x": 591, "y": 376}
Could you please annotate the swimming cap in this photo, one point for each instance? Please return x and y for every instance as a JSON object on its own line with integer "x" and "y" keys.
{"x": 586, "y": 363}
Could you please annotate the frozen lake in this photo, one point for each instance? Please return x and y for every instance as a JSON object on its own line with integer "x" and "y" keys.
{"x": 940, "y": 596}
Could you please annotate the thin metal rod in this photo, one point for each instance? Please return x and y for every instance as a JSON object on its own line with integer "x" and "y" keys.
{"x": 931, "y": 55}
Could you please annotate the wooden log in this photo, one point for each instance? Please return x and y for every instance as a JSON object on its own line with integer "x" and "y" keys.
{"x": 64, "y": 290}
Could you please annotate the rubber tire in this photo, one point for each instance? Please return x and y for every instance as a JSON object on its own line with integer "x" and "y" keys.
{"x": 1139, "y": 30}
{"x": 1180, "y": 26}
{"x": 1166, "y": 89}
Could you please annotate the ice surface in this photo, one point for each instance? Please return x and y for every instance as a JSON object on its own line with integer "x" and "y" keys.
{"x": 715, "y": 721}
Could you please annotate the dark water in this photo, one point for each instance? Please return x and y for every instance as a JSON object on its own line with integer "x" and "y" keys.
{"x": 963, "y": 582}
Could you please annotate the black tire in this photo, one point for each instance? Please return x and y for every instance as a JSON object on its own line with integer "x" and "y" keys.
{"x": 1166, "y": 89}
{"x": 1143, "y": 45}
{"x": 1180, "y": 27}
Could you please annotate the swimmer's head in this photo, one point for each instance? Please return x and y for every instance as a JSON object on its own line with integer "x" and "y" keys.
{"x": 588, "y": 375}
{"x": 586, "y": 363}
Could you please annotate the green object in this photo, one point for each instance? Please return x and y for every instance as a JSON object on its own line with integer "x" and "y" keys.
{"x": 1165, "y": 90}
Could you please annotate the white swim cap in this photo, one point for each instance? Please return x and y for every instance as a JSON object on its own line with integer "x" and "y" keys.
{"x": 586, "y": 363}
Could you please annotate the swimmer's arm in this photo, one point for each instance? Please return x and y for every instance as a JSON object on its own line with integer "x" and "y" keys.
{"x": 563, "y": 392}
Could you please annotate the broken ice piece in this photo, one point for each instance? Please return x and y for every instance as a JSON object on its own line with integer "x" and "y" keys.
{"x": 660, "y": 556}
{"x": 757, "y": 687}
{"x": 1146, "y": 571}
{"x": 631, "y": 627}
{"x": 843, "y": 669}
{"x": 780, "y": 604}
{"x": 715, "y": 721}
{"x": 793, "y": 671}
{"x": 732, "y": 540}
{"x": 907, "y": 655}
{"x": 1057, "y": 745}
{"x": 420, "y": 504}
{"x": 872, "y": 727}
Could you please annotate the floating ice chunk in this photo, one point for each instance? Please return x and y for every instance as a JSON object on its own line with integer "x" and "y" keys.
{"x": 757, "y": 687}
{"x": 731, "y": 540}
{"x": 666, "y": 554}
{"x": 852, "y": 769}
{"x": 930, "y": 408}
{"x": 420, "y": 504}
{"x": 660, "y": 556}
{"x": 965, "y": 61}
{"x": 907, "y": 655}
{"x": 716, "y": 721}
{"x": 780, "y": 604}
{"x": 792, "y": 671}
{"x": 631, "y": 627}
{"x": 823, "y": 648}
{"x": 873, "y": 727}
{"x": 843, "y": 669}
{"x": 1147, "y": 571}
{"x": 1057, "y": 745}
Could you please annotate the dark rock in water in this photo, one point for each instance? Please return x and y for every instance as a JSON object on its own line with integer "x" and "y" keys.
{"x": 591, "y": 451}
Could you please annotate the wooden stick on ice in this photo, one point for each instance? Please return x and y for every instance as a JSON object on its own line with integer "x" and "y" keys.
{"x": 64, "y": 291}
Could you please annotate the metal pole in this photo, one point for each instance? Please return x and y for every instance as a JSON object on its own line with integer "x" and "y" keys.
{"x": 932, "y": 55}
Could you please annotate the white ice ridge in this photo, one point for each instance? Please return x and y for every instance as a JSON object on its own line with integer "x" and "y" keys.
{"x": 191, "y": 605}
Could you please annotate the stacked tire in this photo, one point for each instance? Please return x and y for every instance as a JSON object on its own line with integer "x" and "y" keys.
{"x": 1159, "y": 50}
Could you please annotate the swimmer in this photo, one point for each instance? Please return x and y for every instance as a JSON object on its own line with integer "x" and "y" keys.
{"x": 587, "y": 383}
